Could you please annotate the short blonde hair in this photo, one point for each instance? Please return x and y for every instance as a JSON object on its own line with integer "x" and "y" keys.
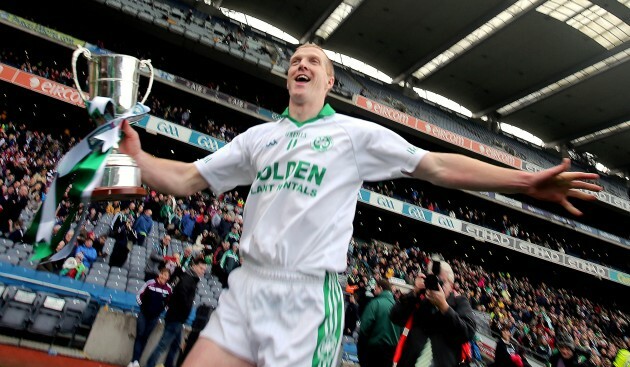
{"x": 330, "y": 69}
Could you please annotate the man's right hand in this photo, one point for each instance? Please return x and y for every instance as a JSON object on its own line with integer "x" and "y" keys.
{"x": 419, "y": 286}
{"x": 130, "y": 142}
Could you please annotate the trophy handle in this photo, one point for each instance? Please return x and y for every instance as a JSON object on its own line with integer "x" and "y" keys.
{"x": 75, "y": 56}
{"x": 148, "y": 64}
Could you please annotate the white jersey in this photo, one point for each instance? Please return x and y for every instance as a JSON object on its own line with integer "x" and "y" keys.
{"x": 305, "y": 178}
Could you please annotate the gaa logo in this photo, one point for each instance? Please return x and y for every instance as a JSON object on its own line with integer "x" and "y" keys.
{"x": 322, "y": 143}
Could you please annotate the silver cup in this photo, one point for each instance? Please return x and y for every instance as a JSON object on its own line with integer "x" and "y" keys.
{"x": 115, "y": 76}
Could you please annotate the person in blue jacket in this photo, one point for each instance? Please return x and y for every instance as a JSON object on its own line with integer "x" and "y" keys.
{"x": 143, "y": 225}
{"x": 89, "y": 252}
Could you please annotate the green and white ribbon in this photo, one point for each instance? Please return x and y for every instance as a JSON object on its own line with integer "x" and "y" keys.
{"x": 82, "y": 170}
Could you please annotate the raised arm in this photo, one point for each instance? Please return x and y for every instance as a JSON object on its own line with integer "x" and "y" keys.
{"x": 165, "y": 175}
{"x": 460, "y": 172}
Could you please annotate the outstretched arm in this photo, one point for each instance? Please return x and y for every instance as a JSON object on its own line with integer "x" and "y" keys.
{"x": 460, "y": 172}
{"x": 164, "y": 175}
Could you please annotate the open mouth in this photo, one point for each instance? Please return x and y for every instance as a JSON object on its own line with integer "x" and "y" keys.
{"x": 301, "y": 78}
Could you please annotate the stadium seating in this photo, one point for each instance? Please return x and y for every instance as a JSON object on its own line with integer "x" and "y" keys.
{"x": 18, "y": 307}
{"x": 48, "y": 315}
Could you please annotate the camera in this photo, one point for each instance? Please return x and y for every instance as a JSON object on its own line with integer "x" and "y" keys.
{"x": 432, "y": 282}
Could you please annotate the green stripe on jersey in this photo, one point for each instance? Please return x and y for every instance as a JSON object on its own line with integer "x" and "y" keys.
{"x": 329, "y": 331}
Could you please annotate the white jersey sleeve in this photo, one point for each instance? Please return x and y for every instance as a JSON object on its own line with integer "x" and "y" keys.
{"x": 229, "y": 166}
{"x": 382, "y": 154}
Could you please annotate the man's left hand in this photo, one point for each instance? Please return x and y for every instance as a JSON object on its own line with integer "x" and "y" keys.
{"x": 437, "y": 298}
{"x": 557, "y": 185}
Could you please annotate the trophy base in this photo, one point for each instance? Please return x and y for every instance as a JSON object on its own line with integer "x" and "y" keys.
{"x": 118, "y": 193}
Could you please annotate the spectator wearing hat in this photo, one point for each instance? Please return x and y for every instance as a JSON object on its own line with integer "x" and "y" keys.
{"x": 567, "y": 355}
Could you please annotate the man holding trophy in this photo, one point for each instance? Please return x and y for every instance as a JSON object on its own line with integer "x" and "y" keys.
{"x": 284, "y": 306}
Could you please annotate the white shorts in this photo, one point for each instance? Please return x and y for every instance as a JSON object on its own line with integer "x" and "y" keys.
{"x": 276, "y": 318}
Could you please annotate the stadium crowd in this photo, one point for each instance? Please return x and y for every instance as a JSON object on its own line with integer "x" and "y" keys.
{"x": 511, "y": 223}
{"x": 535, "y": 313}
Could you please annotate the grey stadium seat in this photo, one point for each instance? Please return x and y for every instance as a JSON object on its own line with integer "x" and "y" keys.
{"x": 95, "y": 279}
{"x": 28, "y": 264}
{"x": 17, "y": 309}
{"x": 114, "y": 284}
{"x": 116, "y": 270}
{"x": 72, "y": 316}
{"x": 13, "y": 260}
{"x": 23, "y": 247}
{"x": 47, "y": 317}
{"x": 20, "y": 254}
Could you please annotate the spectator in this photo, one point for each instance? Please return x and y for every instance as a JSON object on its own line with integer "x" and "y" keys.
{"x": 187, "y": 224}
{"x": 119, "y": 219}
{"x": 438, "y": 321}
{"x": 89, "y": 252}
{"x": 566, "y": 355}
{"x": 16, "y": 230}
{"x": 99, "y": 245}
{"x": 156, "y": 259}
{"x": 155, "y": 205}
{"x": 93, "y": 216}
{"x": 351, "y": 316}
{"x": 124, "y": 236}
{"x": 186, "y": 258}
{"x": 506, "y": 353}
{"x": 230, "y": 261}
{"x": 152, "y": 298}
{"x": 143, "y": 226}
{"x": 179, "y": 307}
{"x": 378, "y": 336}
{"x": 73, "y": 267}
{"x": 216, "y": 259}
{"x": 233, "y": 235}
{"x": 166, "y": 212}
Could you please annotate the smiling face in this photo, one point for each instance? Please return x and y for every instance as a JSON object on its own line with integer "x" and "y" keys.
{"x": 310, "y": 76}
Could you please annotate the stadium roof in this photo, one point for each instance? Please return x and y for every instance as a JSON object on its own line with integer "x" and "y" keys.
{"x": 556, "y": 68}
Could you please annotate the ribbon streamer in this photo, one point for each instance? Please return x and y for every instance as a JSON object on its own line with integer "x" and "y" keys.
{"x": 81, "y": 170}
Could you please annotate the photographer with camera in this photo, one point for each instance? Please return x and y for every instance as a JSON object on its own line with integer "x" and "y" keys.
{"x": 437, "y": 321}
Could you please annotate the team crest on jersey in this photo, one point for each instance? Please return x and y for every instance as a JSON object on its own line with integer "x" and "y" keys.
{"x": 322, "y": 143}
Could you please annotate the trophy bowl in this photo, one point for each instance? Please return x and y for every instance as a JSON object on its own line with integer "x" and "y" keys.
{"x": 116, "y": 76}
